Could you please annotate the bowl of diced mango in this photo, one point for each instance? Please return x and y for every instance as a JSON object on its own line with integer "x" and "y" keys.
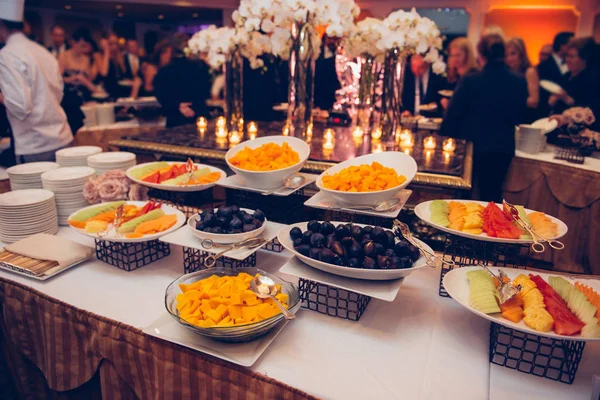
{"x": 266, "y": 162}
{"x": 369, "y": 179}
{"x": 218, "y": 303}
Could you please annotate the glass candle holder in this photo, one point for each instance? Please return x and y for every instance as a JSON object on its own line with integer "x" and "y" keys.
{"x": 235, "y": 137}
{"x": 357, "y": 132}
{"x": 376, "y": 133}
{"x": 221, "y": 122}
{"x": 449, "y": 145}
{"x": 429, "y": 143}
{"x": 221, "y": 133}
{"x": 201, "y": 123}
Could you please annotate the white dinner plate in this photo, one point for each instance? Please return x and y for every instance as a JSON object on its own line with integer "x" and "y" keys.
{"x": 20, "y": 198}
{"x": 177, "y": 188}
{"x": 357, "y": 273}
{"x": 110, "y": 158}
{"x": 77, "y": 152}
{"x": 424, "y": 213}
{"x": 446, "y": 93}
{"x": 428, "y": 107}
{"x": 550, "y": 86}
{"x": 111, "y": 236}
{"x": 547, "y": 125}
{"x": 68, "y": 176}
{"x": 31, "y": 169}
{"x": 457, "y": 286}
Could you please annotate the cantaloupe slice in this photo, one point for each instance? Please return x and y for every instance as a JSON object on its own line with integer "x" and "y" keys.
{"x": 157, "y": 225}
{"x": 591, "y": 295}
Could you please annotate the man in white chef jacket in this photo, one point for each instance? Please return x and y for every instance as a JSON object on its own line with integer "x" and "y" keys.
{"x": 31, "y": 88}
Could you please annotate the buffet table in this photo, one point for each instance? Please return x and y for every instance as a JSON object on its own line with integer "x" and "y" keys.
{"x": 567, "y": 191}
{"x": 438, "y": 172}
{"x": 419, "y": 346}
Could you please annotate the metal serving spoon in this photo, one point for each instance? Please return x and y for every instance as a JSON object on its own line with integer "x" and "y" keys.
{"x": 211, "y": 260}
{"x": 382, "y": 206}
{"x": 265, "y": 288}
{"x": 293, "y": 182}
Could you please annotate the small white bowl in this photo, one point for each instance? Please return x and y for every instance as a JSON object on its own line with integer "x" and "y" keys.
{"x": 270, "y": 179}
{"x": 403, "y": 165}
{"x": 225, "y": 238}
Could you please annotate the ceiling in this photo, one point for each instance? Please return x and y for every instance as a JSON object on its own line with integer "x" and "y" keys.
{"x": 126, "y": 10}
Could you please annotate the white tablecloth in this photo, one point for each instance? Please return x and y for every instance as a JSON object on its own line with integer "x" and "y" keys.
{"x": 421, "y": 346}
{"x": 590, "y": 164}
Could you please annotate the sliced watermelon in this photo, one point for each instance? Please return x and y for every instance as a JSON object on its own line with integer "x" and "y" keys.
{"x": 166, "y": 175}
{"x": 565, "y": 322}
{"x": 496, "y": 224}
{"x": 152, "y": 178}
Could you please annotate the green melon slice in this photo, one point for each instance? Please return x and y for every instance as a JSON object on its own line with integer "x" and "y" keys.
{"x": 439, "y": 212}
{"x": 482, "y": 292}
{"x": 130, "y": 226}
{"x": 84, "y": 215}
{"x": 141, "y": 172}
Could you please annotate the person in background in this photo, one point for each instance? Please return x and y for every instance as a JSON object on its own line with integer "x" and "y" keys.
{"x": 132, "y": 59}
{"x": 461, "y": 61}
{"x": 326, "y": 79}
{"x": 421, "y": 87}
{"x": 31, "y": 89}
{"x": 77, "y": 67}
{"x": 555, "y": 68}
{"x": 161, "y": 57}
{"x": 111, "y": 66}
{"x": 581, "y": 87}
{"x": 59, "y": 43}
{"x": 183, "y": 86}
{"x": 545, "y": 53}
{"x": 485, "y": 109}
{"x": 518, "y": 62}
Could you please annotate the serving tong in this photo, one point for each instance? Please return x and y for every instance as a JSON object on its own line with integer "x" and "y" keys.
{"x": 119, "y": 214}
{"x": 211, "y": 260}
{"x": 506, "y": 290}
{"x": 190, "y": 167}
{"x": 538, "y": 240}
{"x": 430, "y": 258}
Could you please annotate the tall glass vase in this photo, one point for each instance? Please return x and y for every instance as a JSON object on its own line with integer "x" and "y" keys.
{"x": 391, "y": 97}
{"x": 234, "y": 94}
{"x": 301, "y": 80}
{"x": 366, "y": 91}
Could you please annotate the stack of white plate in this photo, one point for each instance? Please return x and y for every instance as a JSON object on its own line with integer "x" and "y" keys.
{"x": 118, "y": 160}
{"x": 76, "y": 156}
{"x": 67, "y": 185}
{"x": 26, "y": 212}
{"x": 27, "y": 176}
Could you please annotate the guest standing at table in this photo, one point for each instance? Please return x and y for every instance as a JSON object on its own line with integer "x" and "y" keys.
{"x": 554, "y": 69}
{"x": 582, "y": 81}
{"x": 485, "y": 108}
{"x": 59, "y": 42}
{"x": 161, "y": 57}
{"x": 31, "y": 88}
{"x": 518, "y": 62}
{"x": 111, "y": 66}
{"x": 183, "y": 86}
{"x": 421, "y": 87}
{"x": 132, "y": 59}
{"x": 461, "y": 61}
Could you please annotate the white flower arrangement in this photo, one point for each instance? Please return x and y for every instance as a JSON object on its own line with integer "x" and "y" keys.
{"x": 412, "y": 34}
{"x": 362, "y": 38}
{"x": 276, "y": 17}
{"x": 220, "y": 43}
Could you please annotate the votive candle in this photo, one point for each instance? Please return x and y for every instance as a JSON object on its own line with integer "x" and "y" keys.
{"x": 429, "y": 143}
{"x": 235, "y": 137}
{"x": 357, "y": 132}
{"x": 221, "y": 122}
{"x": 449, "y": 145}
{"x": 201, "y": 123}
{"x": 221, "y": 132}
{"x": 376, "y": 133}
{"x": 377, "y": 147}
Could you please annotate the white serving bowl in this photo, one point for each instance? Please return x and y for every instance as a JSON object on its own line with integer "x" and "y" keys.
{"x": 224, "y": 238}
{"x": 403, "y": 165}
{"x": 270, "y": 179}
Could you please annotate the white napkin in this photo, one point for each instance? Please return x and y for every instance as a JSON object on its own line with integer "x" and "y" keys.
{"x": 43, "y": 246}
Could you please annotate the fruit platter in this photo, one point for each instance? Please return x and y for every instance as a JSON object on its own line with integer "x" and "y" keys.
{"x": 551, "y": 305}
{"x": 368, "y": 180}
{"x": 127, "y": 221}
{"x": 480, "y": 220}
{"x": 352, "y": 250}
{"x": 219, "y": 304}
{"x": 266, "y": 162}
{"x": 176, "y": 176}
{"x": 228, "y": 224}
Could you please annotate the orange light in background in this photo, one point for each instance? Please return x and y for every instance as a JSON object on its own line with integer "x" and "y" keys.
{"x": 536, "y": 24}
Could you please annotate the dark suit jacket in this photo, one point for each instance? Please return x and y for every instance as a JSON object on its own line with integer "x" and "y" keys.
{"x": 128, "y": 69}
{"x": 435, "y": 84}
{"x": 326, "y": 82}
{"x": 485, "y": 108}
{"x": 182, "y": 81}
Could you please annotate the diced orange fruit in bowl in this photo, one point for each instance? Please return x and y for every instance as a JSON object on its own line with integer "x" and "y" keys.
{"x": 224, "y": 301}
{"x": 364, "y": 178}
{"x": 268, "y": 157}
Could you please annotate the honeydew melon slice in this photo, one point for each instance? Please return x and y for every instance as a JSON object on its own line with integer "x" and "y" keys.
{"x": 142, "y": 172}
{"x": 84, "y": 215}
{"x": 482, "y": 292}
{"x": 130, "y": 226}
